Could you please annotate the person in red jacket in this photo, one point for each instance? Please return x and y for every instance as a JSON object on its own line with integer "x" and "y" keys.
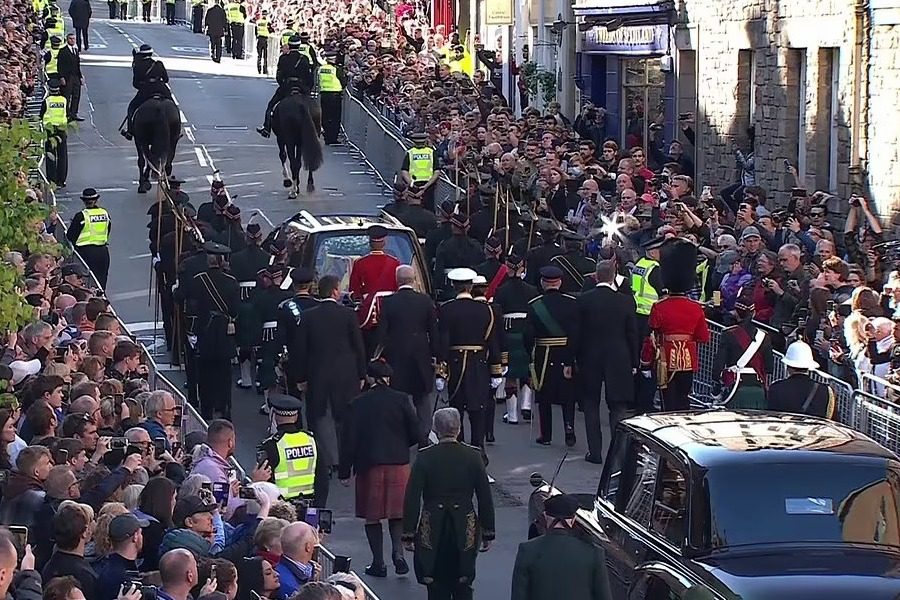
{"x": 677, "y": 326}
{"x": 372, "y": 277}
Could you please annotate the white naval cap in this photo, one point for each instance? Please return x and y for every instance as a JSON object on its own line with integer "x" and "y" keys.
{"x": 462, "y": 275}
{"x": 479, "y": 280}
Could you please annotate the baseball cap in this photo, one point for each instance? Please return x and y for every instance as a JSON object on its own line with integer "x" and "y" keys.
{"x": 749, "y": 232}
{"x": 188, "y": 507}
{"x": 123, "y": 527}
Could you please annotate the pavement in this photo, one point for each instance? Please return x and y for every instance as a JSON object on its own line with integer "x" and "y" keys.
{"x": 221, "y": 105}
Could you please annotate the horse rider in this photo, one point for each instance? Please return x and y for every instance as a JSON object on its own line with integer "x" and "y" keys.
{"x": 294, "y": 72}
{"x": 149, "y": 78}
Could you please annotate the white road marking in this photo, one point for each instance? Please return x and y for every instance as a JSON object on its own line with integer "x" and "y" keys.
{"x": 137, "y": 256}
{"x": 189, "y": 133}
{"x": 183, "y": 118}
{"x": 129, "y": 295}
{"x": 113, "y": 189}
{"x": 143, "y": 325}
{"x": 200, "y": 157}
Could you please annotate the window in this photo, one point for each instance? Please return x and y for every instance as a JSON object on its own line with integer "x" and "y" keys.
{"x": 825, "y": 138}
{"x": 795, "y": 88}
{"x": 335, "y": 254}
{"x": 643, "y": 97}
{"x": 687, "y": 98}
{"x": 639, "y": 501}
{"x": 615, "y": 459}
{"x": 746, "y": 98}
{"x": 670, "y": 504}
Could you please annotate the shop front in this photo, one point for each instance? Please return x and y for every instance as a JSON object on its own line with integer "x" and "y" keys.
{"x": 625, "y": 65}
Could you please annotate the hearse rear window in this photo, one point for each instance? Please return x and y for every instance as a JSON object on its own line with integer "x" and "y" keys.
{"x": 767, "y": 503}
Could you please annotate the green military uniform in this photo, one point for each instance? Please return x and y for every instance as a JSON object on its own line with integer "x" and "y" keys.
{"x": 576, "y": 267}
{"x": 440, "y": 516}
{"x": 244, "y": 265}
{"x": 188, "y": 267}
{"x": 265, "y": 302}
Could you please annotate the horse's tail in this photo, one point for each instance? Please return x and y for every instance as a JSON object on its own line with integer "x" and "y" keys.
{"x": 159, "y": 146}
{"x": 309, "y": 140}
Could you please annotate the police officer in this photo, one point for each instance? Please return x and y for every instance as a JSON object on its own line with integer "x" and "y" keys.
{"x": 89, "y": 234}
{"x": 54, "y": 114}
{"x": 307, "y": 50}
{"x": 265, "y": 302}
{"x": 53, "y": 27}
{"x": 292, "y": 454}
{"x": 263, "y": 31}
{"x": 575, "y": 266}
{"x": 331, "y": 87}
{"x": 215, "y": 295}
{"x": 51, "y": 58}
{"x": 421, "y": 169}
{"x": 459, "y": 250}
{"x": 236, "y": 13}
{"x": 469, "y": 354}
{"x": 149, "y": 77}
{"x": 286, "y": 34}
{"x": 294, "y": 71}
{"x": 170, "y": 12}
{"x": 146, "y": 6}
{"x": 290, "y": 313}
{"x": 551, "y": 336}
{"x": 197, "y": 7}
{"x": 512, "y": 297}
{"x": 646, "y": 283}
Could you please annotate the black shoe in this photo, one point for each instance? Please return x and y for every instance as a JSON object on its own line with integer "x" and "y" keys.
{"x": 526, "y": 415}
{"x": 489, "y": 438}
{"x": 79, "y": 119}
{"x": 126, "y": 135}
{"x": 400, "y": 566}
{"x": 263, "y": 132}
{"x": 595, "y": 460}
{"x": 542, "y": 441}
{"x": 376, "y": 571}
{"x": 570, "y": 438}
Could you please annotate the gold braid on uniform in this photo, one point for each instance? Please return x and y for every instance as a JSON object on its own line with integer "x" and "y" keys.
{"x": 496, "y": 369}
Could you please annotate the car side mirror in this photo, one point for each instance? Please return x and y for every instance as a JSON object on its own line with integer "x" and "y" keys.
{"x": 536, "y": 480}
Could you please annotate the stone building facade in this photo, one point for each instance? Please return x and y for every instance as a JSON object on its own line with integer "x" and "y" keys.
{"x": 819, "y": 80}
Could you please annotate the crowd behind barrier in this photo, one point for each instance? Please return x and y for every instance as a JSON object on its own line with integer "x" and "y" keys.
{"x": 873, "y": 408}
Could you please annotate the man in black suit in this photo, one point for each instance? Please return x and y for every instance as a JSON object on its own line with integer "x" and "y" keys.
{"x": 607, "y": 355}
{"x": 69, "y": 65}
{"x": 215, "y": 22}
{"x": 331, "y": 365}
{"x": 407, "y": 334}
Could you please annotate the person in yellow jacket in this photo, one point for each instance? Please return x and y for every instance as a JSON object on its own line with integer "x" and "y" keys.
{"x": 55, "y": 118}
{"x": 51, "y": 58}
{"x": 237, "y": 14}
{"x": 170, "y": 12}
{"x": 263, "y": 33}
{"x": 331, "y": 87}
{"x": 292, "y": 454}
{"x": 421, "y": 169}
{"x": 89, "y": 234}
{"x": 198, "y": 7}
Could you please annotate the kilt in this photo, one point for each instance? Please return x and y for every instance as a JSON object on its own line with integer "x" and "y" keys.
{"x": 380, "y": 491}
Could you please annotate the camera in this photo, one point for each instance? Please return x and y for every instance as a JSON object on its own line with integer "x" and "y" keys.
{"x": 247, "y": 493}
{"x": 117, "y": 443}
{"x": 854, "y": 200}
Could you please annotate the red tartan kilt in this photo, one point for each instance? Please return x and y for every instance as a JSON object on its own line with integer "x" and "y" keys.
{"x": 380, "y": 491}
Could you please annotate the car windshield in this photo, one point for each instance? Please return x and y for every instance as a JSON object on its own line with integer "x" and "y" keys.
{"x": 774, "y": 503}
{"x": 336, "y": 253}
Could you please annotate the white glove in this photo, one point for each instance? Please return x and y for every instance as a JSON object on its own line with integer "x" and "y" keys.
{"x": 647, "y": 374}
{"x": 440, "y": 383}
{"x": 155, "y": 260}
{"x": 495, "y": 382}
{"x": 504, "y": 371}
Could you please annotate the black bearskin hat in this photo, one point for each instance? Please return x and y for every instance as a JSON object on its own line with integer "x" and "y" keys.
{"x": 678, "y": 265}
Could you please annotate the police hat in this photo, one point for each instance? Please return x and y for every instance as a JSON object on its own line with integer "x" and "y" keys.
{"x": 462, "y": 275}
{"x": 654, "y": 243}
{"x": 551, "y": 273}
{"x": 216, "y": 249}
{"x": 493, "y": 244}
{"x": 377, "y": 233}
{"x": 294, "y": 41}
{"x": 379, "y": 369}
{"x": 304, "y": 36}
{"x": 55, "y": 40}
{"x": 144, "y": 50}
{"x": 254, "y": 231}
{"x": 90, "y": 194}
{"x": 53, "y": 86}
{"x": 419, "y": 136}
{"x": 303, "y": 275}
{"x": 330, "y": 54}
{"x": 284, "y": 405}
{"x": 561, "y": 506}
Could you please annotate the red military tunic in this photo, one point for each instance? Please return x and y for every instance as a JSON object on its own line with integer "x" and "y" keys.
{"x": 677, "y": 325}
{"x": 371, "y": 276}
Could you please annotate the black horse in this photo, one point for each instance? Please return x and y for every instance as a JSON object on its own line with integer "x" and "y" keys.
{"x": 294, "y": 126}
{"x": 156, "y": 126}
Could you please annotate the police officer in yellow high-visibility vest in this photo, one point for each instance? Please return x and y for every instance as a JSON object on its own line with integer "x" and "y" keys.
{"x": 646, "y": 282}
{"x": 263, "y": 32}
{"x": 330, "y": 97}
{"x": 54, "y": 114}
{"x": 170, "y": 12}
{"x": 236, "y": 13}
{"x": 51, "y": 58}
{"x": 292, "y": 454}
{"x": 286, "y": 34}
{"x": 308, "y": 51}
{"x": 197, "y": 10}
{"x": 89, "y": 234}
{"x": 421, "y": 169}
{"x": 53, "y": 27}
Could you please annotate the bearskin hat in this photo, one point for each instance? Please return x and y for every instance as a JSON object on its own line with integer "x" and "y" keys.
{"x": 678, "y": 265}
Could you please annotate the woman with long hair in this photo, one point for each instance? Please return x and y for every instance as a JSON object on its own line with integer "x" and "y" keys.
{"x": 7, "y": 436}
{"x": 257, "y": 575}
{"x": 157, "y": 501}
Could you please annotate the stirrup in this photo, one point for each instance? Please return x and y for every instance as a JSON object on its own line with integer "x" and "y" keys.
{"x": 263, "y": 132}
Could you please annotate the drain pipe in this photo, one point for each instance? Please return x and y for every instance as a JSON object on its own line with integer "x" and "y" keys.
{"x": 859, "y": 125}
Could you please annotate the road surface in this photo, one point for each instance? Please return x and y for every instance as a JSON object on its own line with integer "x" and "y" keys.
{"x": 221, "y": 105}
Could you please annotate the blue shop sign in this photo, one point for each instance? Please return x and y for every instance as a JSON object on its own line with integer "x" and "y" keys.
{"x": 629, "y": 40}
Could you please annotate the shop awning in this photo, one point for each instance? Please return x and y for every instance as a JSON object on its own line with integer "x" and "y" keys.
{"x": 643, "y": 12}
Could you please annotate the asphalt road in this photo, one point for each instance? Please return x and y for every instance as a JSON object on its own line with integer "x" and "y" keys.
{"x": 221, "y": 105}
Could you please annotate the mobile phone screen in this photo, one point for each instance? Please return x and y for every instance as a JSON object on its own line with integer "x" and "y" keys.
{"x": 325, "y": 520}
{"x": 19, "y": 535}
{"x": 220, "y": 492}
{"x": 312, "y": 517}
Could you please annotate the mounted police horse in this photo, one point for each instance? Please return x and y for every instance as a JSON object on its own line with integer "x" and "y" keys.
{"x": 156, "y": 126}
{"x": 296, "y": 123}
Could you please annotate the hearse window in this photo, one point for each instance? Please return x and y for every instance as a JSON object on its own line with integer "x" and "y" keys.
{"x": 643, "y": 483}
{"x": 670, "y": 505}
{"x": 336, "y": 253}
{"x": 615, "y": 459}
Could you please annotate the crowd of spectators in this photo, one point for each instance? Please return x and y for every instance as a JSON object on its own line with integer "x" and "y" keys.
{"x": 18, "y": 56}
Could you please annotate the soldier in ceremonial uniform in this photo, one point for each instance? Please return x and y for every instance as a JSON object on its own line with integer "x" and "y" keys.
{"x": 677, "y": 325}
{"x": 265, "y": 302}
{"x": 551, "y": 335}
{"x": 440, "y": 233}
{"x": 440, "y": 523}
{"x": 575, "y": 266}
{"x": 468, "y": 352}
{"x": 745, "y": 360}
{"x": 458, "y": 251}
{"x": 245, "y": 265}
{"x": 372, "y": 277}
{"x": 479, "y": 288}
{"x": 540, "y": 257}
{"x": 292, "y": 454}
{"x": 290, "y": 314}
{"x": 512, "y": 297}
{"x": 218, "y": 200}
{"x": 492, "y": 269}
{"x": 215, "y": 296}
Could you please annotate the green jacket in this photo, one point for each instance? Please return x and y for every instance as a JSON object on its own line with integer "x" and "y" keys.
{"x": 438, "y": 512}
{"x": 558, "y": 566}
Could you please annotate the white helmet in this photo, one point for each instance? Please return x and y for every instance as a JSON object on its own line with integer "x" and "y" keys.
{"x": 799, "y": 356}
